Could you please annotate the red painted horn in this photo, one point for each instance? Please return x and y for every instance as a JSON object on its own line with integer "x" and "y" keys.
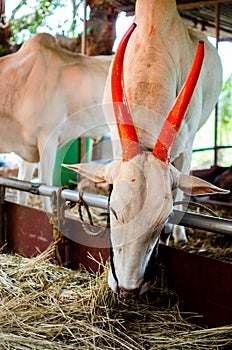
{"x": 126, "y": 129}
{"x": 164, "y": 143}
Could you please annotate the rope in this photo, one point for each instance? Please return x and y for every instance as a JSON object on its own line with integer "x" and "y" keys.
{"x": 81, "y": 203}
{"x": 196, "y": 204}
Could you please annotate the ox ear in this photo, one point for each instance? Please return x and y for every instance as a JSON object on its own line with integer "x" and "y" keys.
{"x": 194, "y": 185}
{"x": 94, "y": 172}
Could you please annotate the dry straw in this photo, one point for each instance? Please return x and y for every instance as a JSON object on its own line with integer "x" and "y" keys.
{"x": 44, "y": 306}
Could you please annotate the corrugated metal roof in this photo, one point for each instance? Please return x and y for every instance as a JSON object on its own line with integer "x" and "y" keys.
{"x": 200, "y": 14}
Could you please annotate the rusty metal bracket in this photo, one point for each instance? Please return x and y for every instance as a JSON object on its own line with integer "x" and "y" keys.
{"x": 34, "y": 189}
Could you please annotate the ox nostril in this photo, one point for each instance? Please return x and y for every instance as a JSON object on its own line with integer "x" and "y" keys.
{"x": 128, "y": 293}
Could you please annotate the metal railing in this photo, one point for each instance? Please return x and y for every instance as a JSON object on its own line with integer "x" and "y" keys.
{"x": 197, "y": 221}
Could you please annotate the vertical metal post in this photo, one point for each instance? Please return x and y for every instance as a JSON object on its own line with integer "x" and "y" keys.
{"x": 217, "y": 15}
{"x": 2, "y": 12}
{"x": 83, "y": 51}
{"x": 1, "y": 8}
{"x": 84, "y": 34}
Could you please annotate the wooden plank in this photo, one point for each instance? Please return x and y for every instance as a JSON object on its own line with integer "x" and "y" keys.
{"x": 28, "y": 230}
{"x": 203, "y": 283}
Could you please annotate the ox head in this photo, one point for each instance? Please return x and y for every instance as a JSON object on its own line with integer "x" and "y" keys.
{"x": 141, "y": 200}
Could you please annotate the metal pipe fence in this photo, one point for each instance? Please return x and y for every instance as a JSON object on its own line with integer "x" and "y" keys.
{"x": 197, "y": 221}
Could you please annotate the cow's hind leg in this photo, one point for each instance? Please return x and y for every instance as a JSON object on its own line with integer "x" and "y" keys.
{"x": 26, "y": 171}
{"x": 47, "y": 162}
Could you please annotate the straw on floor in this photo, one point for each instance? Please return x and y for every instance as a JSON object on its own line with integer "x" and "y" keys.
{"x": 44, "y": 306}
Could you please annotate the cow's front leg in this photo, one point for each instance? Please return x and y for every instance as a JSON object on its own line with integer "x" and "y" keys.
{"x": 182, "y": 163}
{"x": 179, "y": 232}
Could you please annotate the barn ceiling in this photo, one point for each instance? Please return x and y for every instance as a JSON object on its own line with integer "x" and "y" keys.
{"x": 201, "y": 15}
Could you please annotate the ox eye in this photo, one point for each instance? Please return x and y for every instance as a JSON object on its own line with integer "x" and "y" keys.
{"x": 114, "y": 213}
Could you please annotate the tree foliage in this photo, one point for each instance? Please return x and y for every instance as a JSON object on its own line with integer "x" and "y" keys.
{"x": 37, "y": 14}
{"x": 46, "y": 15}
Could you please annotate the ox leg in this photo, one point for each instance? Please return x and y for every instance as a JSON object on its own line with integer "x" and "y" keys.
{"x": 47, "y": 162}
{"x": 182, "y": 163}
{"x": 178, "y": 232}
{"x": 26, "y": 171}
{"x": 45, "y": 176}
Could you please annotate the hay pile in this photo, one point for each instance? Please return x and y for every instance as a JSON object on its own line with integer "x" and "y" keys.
{"x": 43, "y": 306}
{"x": 216, "y": 246}
{"x": 209, "y": 244}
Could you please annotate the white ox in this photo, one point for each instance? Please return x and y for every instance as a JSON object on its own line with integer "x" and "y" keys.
{"x": 157, "y": 61}
{"x": 48, "y": 97}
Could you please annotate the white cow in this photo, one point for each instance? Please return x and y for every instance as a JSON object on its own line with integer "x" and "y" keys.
{"x": 157, "y": 60}
{"x": 48, "y": 97}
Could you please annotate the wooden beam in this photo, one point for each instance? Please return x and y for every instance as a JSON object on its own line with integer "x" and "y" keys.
{"x": 202, "y": 4}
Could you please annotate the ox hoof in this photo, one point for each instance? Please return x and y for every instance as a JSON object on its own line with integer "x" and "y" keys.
{"x": 179, "y": 234}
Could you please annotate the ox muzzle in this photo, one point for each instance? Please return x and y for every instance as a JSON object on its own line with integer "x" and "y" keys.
{"x": 150, "y": 277}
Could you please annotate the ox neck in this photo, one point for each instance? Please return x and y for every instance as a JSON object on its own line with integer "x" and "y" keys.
{"x": 155, "y": 12}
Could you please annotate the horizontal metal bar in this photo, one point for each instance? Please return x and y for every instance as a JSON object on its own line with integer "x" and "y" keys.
{"x": 92, "y": 200}
{"x": 16, "y": 184}
{"x": 202, "y": 222}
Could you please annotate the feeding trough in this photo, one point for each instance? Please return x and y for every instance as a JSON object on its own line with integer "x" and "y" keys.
{"x": 203, "y": 283}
